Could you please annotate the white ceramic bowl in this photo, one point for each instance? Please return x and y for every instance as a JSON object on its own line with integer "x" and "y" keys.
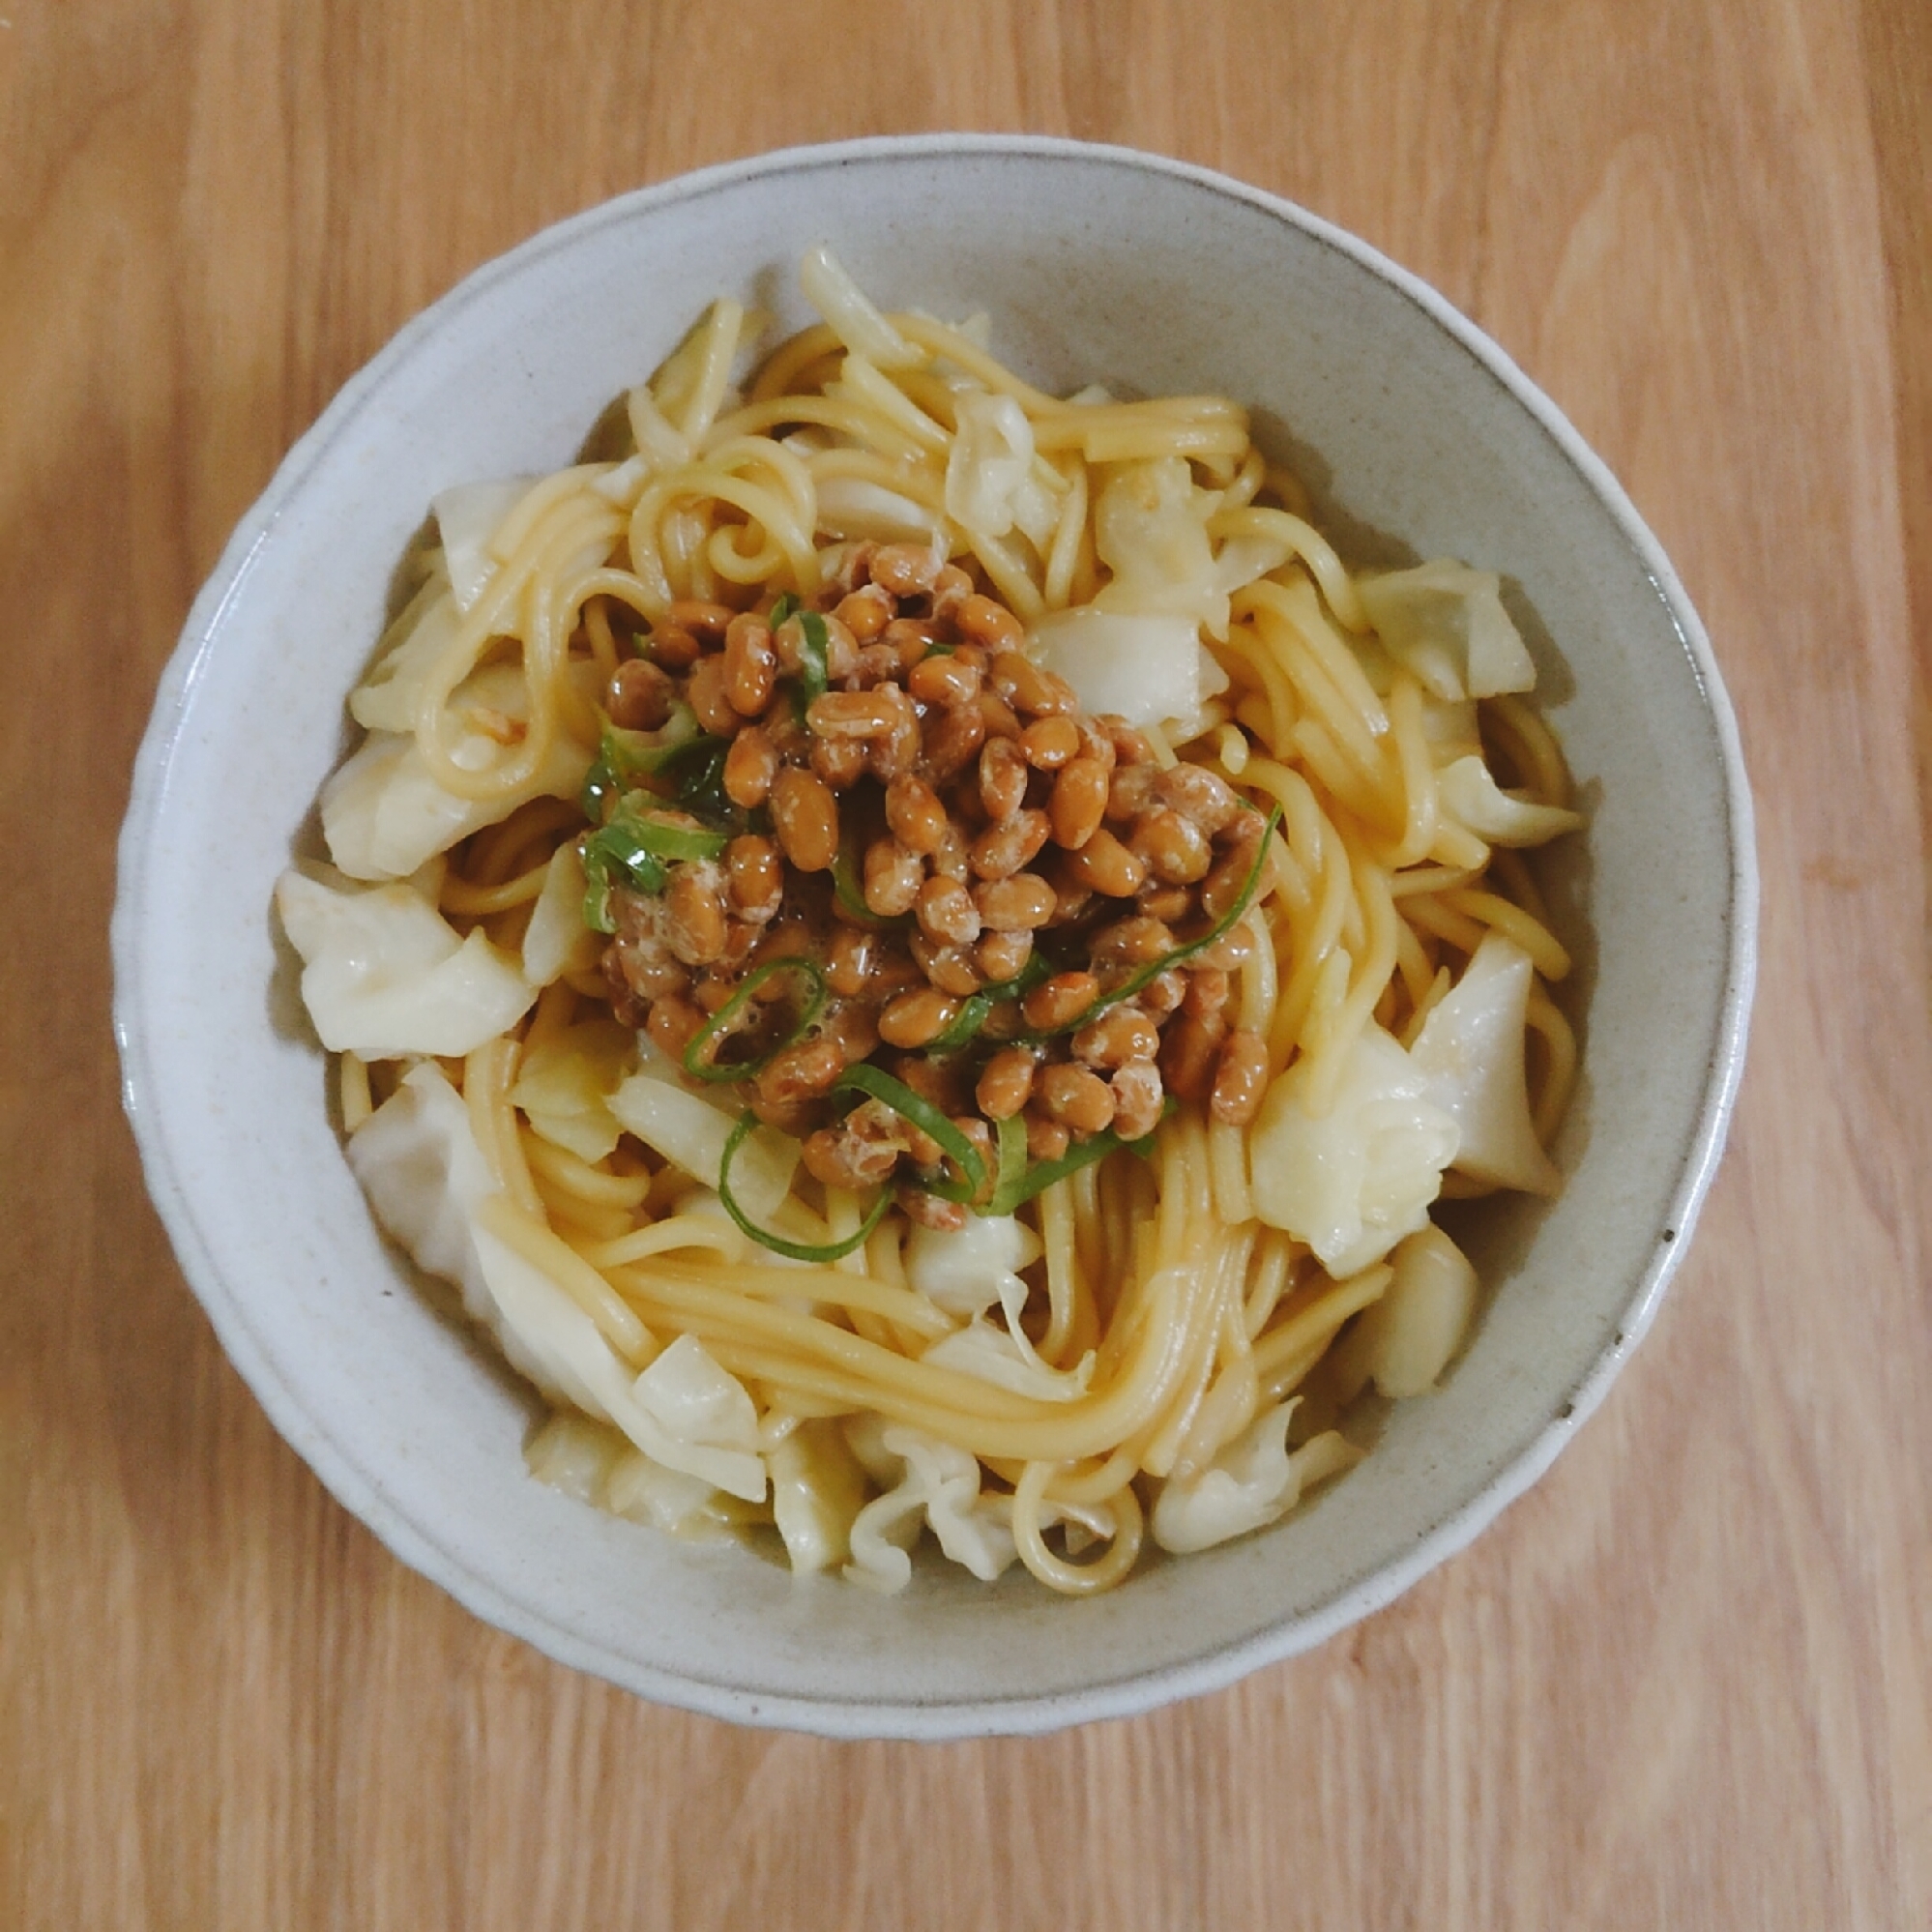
{"x": 1095, "y": 264}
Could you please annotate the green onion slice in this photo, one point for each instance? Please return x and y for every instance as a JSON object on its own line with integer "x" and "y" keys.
{"x": 624, "y": 756}
{"x": 847, "y": 875}
{"x": 1017, "y": 1188}
{"x": 787, "y": 606}
{"x": 797, "y": 1250}
{"x": 865, "y": 1079}
{"x": 978, "y": 1007}
{"x": 813, "y": 676}
{"x": 1152, "y": 971}
{"x": 697, "y": 1059}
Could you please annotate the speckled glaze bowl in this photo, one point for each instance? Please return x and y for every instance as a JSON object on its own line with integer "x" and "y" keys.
{"x": 1420, "y": 437}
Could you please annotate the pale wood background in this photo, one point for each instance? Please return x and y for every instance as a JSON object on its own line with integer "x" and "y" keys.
{"x": 1686, "y": 1681}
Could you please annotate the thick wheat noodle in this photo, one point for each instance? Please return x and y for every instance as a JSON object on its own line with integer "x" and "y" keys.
{"x": 873, "y": 389}
{"x": 918, "y": 483}
{"x": 1313, "y": 1314}
{"x": 1306, "y": 543}
{"x": 1073, "y": 1579}
{"x": 1535, "y": 939}
{"x": 1539, "y": 758}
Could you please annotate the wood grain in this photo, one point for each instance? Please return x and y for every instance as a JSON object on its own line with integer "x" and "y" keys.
{"x": 1686, "y": 1681}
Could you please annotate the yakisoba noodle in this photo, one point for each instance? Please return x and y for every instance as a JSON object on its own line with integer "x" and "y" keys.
{"x": 922, "y": 950}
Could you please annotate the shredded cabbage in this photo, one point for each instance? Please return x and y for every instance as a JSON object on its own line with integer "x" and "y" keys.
{"x": 1470, "y": 1057}
{"x": 1471, "y": 796}
{"x": 1143, "y": 668}
{"x": 850, "y": 312}
{"x": 941, "y": 1486}
{"x": 1447, "y": 624}
{"x": 817, "y": 1491}
{"x": 564, "y": 1086}
{"x": 988, "y": 465}
{"x": 1353, "y": 1183}
{"x": 425, "y": 1177}
{"x": 384, "y": 976}
{"x": 1249, "y": 1483}
{"x": 691, "y": 1130}
{"x": 383, "y": 813}
{"x": 1407, "y": 1336}
{"x": 468, "y": 516}
{"x": 557, "y": 941}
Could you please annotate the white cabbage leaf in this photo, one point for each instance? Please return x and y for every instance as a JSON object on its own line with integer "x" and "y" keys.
{"x": 468, "y": 516}
{"x": 851, "y": 507}
{"x": 1407, "y": 1336}
{"x": 557, "y": 941}
{"x": 383, "y": 975}
{"x": 572, "y": 1453}
{"x": 818, "y": 1489}
{"x": 1447, "y": 624}
{"x": 1470, "y": 1057}
{"x": 1145, "y": 668}
{"x": 386, "y": 699}
{"x": 851, "y": 314}
{"x": 384, "y": 815}
{"x": 691, "y": 1131}
{"x": 965, "y": 1271}
{"x": 989, "y": 463}
{"x": 425, "y": 1178}
{"x": 1352, "y": 1183}
{"x": 1150, "y": 530}
{"x": 643, "y": 1492}
{"x": 1472, "y": 798}
{"x": 564, "y": 1085}
{"x": 1249, "y": 1483}
{"x": 1006, "y": 1358}
{"x": 941, "y": 1488}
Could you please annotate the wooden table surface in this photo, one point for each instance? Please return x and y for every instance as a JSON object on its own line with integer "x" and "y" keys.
{"x": 1686, "y": 1681}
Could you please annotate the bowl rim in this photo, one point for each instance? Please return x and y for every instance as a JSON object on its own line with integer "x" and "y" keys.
{"x": 941, "y": 1717}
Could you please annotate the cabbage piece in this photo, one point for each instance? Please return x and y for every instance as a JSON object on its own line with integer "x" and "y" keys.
{"x": 941, "y": 1483}
{"x": 1143, "y": 668}
{"x": 426, "y": 1180}
{"x": 1470, "y": 1055}
{"x": 384, "y": 976}
{"x": 572, "y": 1453}
{"x": 690, "y": 1130}
{"x": 854, "y": 320}
{"x": 1471, "y": 796}
{"x": 1006, "y": 1358}
{"x": 564, "y": 1086}
{"x": 1150, "y": 530}
{"x": 384, "y": 815}
{"x": 708, "y": 1415}
{"x": 818, "y": 1492}
{"x": 1447, "y": 624}
{"x": 643, "y": 1492}
{"x": 1250, "y": 1482}
{"x": 386, "y": 699}
{"x": 965, "y": 1271}
{"x": 989, "y": 463}
{"x": 1354, "y": 1182}
{"x": 424, "y": 1172}
{"x": 468, "y": 516}
{"x": 1407, "y": 1336}
{"x": 850, "y": 507}
{"x": 557, "y": 941}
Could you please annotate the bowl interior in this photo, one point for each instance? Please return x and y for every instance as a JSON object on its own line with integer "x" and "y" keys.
{"x": 1094, "y": 266}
